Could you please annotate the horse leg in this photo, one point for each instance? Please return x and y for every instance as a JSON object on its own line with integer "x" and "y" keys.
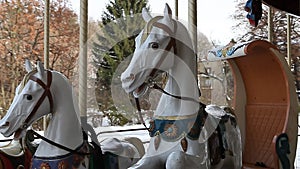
{"x": 235, "y": 146}
{"x": 176, "y": 160}
{"x": 182, "y": 160}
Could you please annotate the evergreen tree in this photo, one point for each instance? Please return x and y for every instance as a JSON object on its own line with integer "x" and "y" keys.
{"x": 121, "y": 23}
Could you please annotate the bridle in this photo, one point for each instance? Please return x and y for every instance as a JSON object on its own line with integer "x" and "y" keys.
{"x": 172, "y": 43}
{"x": 150, "y": 80}
{"x": 46, "y": 93}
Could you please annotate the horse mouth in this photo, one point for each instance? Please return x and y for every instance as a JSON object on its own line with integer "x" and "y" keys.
{"x": 140, "y": 91}
{"x": 18, "y": 134}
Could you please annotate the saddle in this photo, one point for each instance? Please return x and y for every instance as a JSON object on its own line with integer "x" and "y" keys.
{"x": 217, "y": 142}
{"x": 14, "y": 155}
{"x": 13, "y": 149}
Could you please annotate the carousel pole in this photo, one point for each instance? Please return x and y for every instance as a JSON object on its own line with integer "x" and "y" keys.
{"x": 82, "y": 100}
{"x": 192, "y": 19}
{"x": 288, "y": 37}
{"x": 46, "y": 44}
{"x": 270, "y": 25}
{"x": 176, "y": 9}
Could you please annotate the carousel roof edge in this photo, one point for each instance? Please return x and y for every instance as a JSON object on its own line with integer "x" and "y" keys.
{"x": 233, "y": 50}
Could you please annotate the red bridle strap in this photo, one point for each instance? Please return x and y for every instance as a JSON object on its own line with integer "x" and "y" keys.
{"x": 46, "y": 93}
{"x": 171, "y": 44}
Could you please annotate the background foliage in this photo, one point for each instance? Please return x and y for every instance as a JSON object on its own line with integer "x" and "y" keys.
{"x": 21, "y": 37}
{"x": 120, "y": 24}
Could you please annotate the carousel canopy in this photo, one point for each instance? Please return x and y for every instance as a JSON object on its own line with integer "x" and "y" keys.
{"x": 290, "y": 6}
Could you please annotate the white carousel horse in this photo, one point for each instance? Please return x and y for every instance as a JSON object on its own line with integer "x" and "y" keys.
{"x": 178, "y": 138}
{"x": 45, "y": 92}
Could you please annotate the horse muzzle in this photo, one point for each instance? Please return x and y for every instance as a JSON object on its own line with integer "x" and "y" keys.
{"x": 4, "y": 129}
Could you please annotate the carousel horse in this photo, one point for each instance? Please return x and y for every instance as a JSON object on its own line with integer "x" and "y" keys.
{"x": 64, "y": 144}
{"x": 184, "y": 132}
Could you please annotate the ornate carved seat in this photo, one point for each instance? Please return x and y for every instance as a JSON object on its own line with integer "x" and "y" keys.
{"x": 266, "y": 106}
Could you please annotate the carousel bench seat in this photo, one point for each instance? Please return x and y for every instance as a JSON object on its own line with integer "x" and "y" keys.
{"x": 264, "y": 123}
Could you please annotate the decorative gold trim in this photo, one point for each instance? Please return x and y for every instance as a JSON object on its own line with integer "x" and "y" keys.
{"x": 157, "y": 141}
{"x": 184, "y": 144}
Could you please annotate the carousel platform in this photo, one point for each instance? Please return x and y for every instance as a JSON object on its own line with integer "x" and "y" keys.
{"x": 143, "y": 135}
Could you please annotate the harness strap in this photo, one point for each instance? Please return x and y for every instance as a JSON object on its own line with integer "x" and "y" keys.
{"x": 172, "y": 43}
{"x": 137, "y": 102}
{"x": 164, "y": 27}
{"x": 46, "y": 92}
{"x": 155, "y": 86}
{"x": 56, "y": 144}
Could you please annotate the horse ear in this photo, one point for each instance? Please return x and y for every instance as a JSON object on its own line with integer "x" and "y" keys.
{"x": 168, "y": 16}
{"x": 146, "y": 15}
{"x": 168, "y": 11}
{"x": 28, "y": 65}
{"x": 40, "y": 68}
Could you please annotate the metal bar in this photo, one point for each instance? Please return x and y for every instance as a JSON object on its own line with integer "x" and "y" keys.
{"x": 46, "y": 33}
{"x": 82, "y": 100}
{"x": 46, "y": 44}
{"x": 288, "y": 37}
{"x": 270, "y": 25}
{"x": 176, "y": 9}
{"x": 192, "y": 19}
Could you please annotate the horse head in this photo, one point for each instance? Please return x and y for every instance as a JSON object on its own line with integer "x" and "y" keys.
{"x": 33, "y": 99}
{"x": 155, "y": 47}
{"x": 164, "y": 45}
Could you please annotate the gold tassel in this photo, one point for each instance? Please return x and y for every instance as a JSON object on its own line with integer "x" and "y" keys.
{"x": 157, "y": 141}
{"x": 184, "y": 144}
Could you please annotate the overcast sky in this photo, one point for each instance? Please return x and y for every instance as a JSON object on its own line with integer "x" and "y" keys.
{"x": 213, "y": 15}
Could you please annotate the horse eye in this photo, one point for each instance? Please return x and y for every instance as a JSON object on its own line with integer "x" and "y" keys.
{"x": 28, "y": 97}
{"x": 154, "y": 45}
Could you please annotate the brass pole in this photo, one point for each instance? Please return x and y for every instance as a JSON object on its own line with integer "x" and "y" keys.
{"x": 288, "y": 37}
{"x": 176, "y": 9}
{"x": 270, "y": 25}
{"x": 82, "y": 100}
{"x": 46, "y": 45}
{"x": 192, "y": 19}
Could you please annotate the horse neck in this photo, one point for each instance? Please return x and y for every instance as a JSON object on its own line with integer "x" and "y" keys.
{"x": 64, "y": 127}
{"x": 182, "y": 82}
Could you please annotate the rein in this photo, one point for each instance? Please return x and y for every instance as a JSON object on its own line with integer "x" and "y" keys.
{"x": 155, "y": 86}
{"x": 37, "y": 135}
